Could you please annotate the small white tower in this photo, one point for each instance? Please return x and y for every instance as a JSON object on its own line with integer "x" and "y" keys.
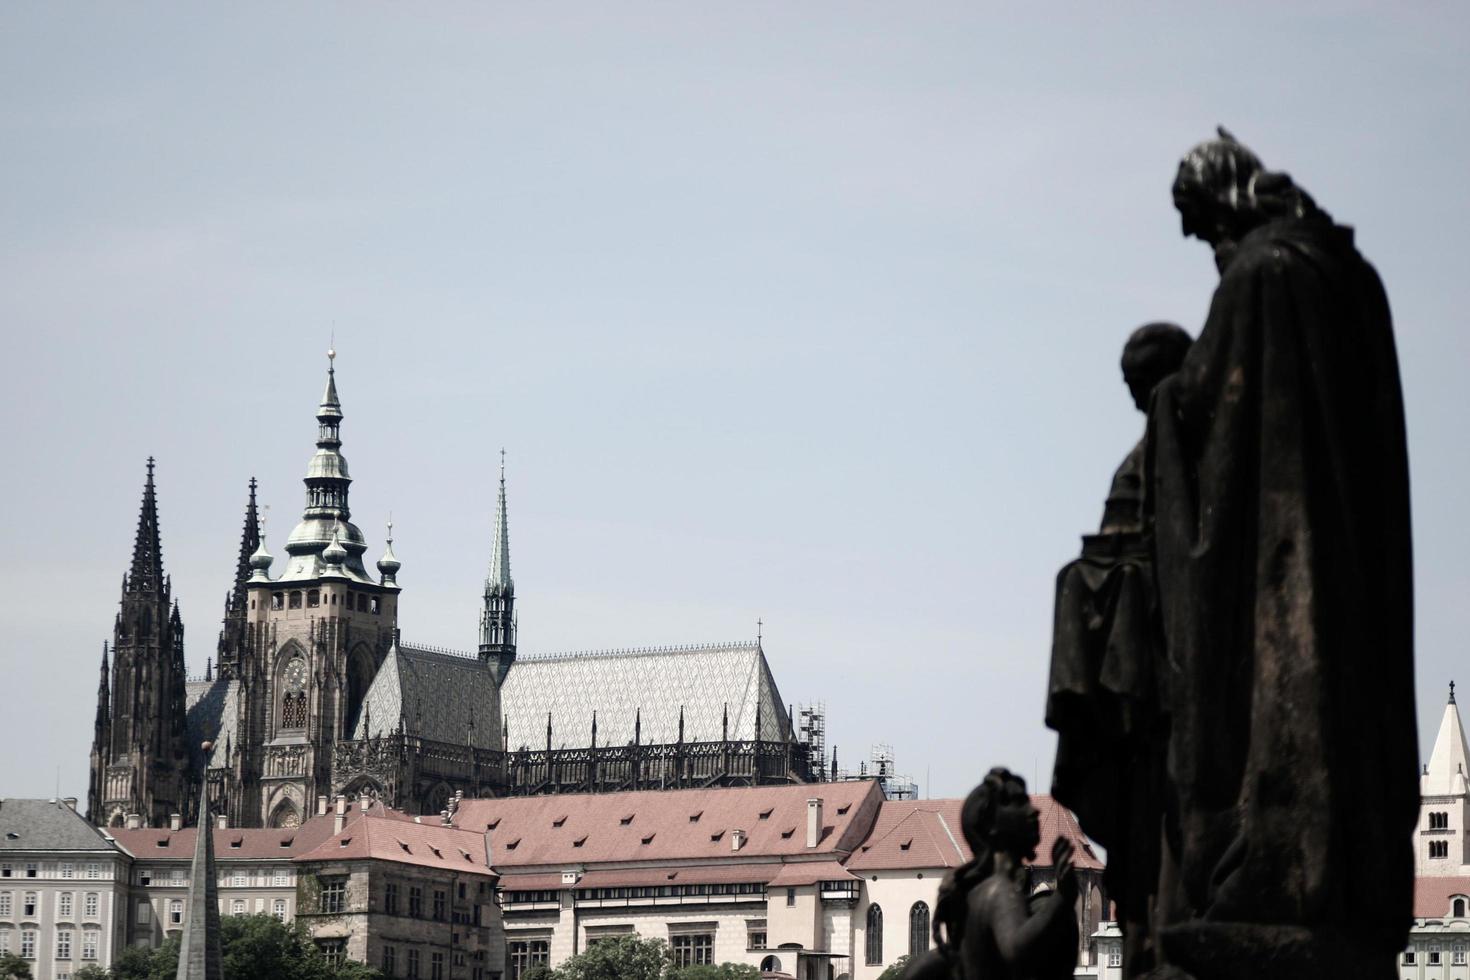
{"x": 1444, "y": 789}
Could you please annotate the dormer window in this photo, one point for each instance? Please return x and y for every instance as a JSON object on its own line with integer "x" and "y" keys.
{"x": 648, "y": 839}
{"x": 766, "y": 813}
{"x": 627, "y": 820}
{"x": 559, "y": 821}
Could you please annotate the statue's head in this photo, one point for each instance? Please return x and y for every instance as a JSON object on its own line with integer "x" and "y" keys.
{"x": 1213, "y": 189}
{"x": 1153, "y": 352}
{"x": 997, "y": 817}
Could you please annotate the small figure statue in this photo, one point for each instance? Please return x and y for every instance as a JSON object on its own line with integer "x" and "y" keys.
{"x": 986, "y": 927}
{"x": 1278, "y": 484}
{"x": 1103, "y": 699}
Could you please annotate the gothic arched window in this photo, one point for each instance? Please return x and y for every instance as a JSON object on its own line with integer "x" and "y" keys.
{"x": 874, "y": 939}
{"x": 918, "y": 929}
{"x": 293, "y": 696}
{"x": 1459, "y": 909}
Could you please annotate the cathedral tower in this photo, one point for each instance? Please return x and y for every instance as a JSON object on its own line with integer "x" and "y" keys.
{"x": 316, "y": 635}
{"x": 139, "y": 754}
{"x": 497, "y": 616}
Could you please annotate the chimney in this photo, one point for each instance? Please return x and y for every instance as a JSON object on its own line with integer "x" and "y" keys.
{"x": 135, "y": 821}
{"x": 444, "y": 817}
{"x": 222, "y": 822}
{"x": 813, "y": 822}
{"x": 321, "y": 806}
{"x": 71, "y": 803}
{"x": 489, "y": 855}
{"x": 737, "y": 839}
{"x": 341, "y": 820}
{"x": 175, "y": 821}
{"x": 364, "y": 803}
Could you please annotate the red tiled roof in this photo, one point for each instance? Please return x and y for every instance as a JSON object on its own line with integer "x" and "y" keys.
{"x": 809, "y": 873}
{"x": 926, "y": 834}
{"x": 385, "y": 838}
{"x": 677, "y": 825}
{"x": 1432, "y": 896}
{"x": 231, "y": 843}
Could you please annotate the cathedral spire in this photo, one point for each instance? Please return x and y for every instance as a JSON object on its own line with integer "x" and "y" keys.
{"x": 104, "y": 707}
{"x": 146, "y": 574}
{"x": 249, "y": 541}
{"x": 497, "y": 614}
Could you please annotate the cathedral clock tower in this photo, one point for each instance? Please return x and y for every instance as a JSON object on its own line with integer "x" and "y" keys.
{"x": 318, "y": 633}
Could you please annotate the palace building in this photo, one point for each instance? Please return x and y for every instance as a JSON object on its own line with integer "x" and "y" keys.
{"x": 313, "y": 694}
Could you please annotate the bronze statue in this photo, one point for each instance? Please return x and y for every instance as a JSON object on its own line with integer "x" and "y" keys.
{"x": 1103, "y": 699}
{"x": 1277, "y": 491}
{"x": 986, "y": 927}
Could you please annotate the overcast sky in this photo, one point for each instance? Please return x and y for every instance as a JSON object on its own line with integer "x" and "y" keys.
{"x": 801, "y": 311}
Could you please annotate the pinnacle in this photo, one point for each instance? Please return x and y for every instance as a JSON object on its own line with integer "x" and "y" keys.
{"x": 146, "y": 573}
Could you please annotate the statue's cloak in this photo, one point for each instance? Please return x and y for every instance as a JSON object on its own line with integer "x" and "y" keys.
{"x": 1278, "y": 483}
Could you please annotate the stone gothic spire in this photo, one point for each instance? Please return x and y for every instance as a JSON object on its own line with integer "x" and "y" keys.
{"x": 139, "y": 761}
{"x": 497, "y": 614}
{"x": 232, "y": 634}
{"x": 146, "y": 573}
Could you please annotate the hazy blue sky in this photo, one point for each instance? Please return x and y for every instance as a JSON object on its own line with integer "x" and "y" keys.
{"x": 800, "y": 311}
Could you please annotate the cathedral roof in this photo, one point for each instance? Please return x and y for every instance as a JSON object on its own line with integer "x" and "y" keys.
{"x": 656, "y": 687}
{"x": 213, "y": 710}
{"x": 443, "y": 697}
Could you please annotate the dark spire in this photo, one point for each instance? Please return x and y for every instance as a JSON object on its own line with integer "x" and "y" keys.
{"x": 199, "y": 949}
{"x": 249, "y": 541}
{"x": 681, "y": 723}
{"x": 638, "y": 726}
{"x": 104, "y": 694}
{"x": 725, "y": 724}
{"x": 146, "y": 574}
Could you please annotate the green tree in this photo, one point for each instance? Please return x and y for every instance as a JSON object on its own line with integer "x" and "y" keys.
{"x": 147, "y": 963}
{"x": 539, "y": 972}
{"x": 12, "y": 967}
{"x": 618, "y": 958}
{"x": 896, "y": 970}
{"x": 91, "y": 972}
{"x": 253, "y": 946}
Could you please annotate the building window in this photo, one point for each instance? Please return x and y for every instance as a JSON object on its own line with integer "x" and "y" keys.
{"x": 1459, "y": 908}
{"x": 237, "y": 907}
{"x": 28, "y": 907}
{"x": 1434, "y": 956}
{"x": 1439, "y": 848}
{"x": 313, "y": 598}
{"x": 6, "y": 909}
{"x": 335, "y": 951}
{"x": 415, "y": 902}
{"x": 281, "y": 877}
{"x": 1439, "y": 821}
{"x": 413, "y": 964}
{"x": 4, "y": 941}
{"x": 1409, "y": 957}
{"x": 33, "y": 870}
{"x": 89, "y": 944}
{"x": 176, "y": 911}
{"x": 68, "y": 870}
{"x": 755, "y": 934}
{"x": 522, "y": 954}
{"x": 28, "y": 944}
{"x": 177, "y": 874}
{"x": 334, "y": 896}
{"x": 873, "y": 943}
{"x": 94, "y": 871}
{"x": 790, "y": 897}
{"x": 436, "y": 966}
{"x": 145, "y": 913}
{"x": 918, "y": 929}
{"x": 278, "y": 600}
{"x": 63, "y": 944}
{"x": 6, "y": 871}
{"x": 390, "y": 961}
{"x": 390, "y": 898}
{"x": 90, "y": 905}
{"x": 295, "y": 600}
{"x": 439, "y": 898}
{"x": 1458, "y": 956}
{"x": 239, "y": 879}
{"x": 64, "y": 905}
{"x": 1115, "y": 957}
{"x": 278, "y": 909}
{"x": 693, "y": 948}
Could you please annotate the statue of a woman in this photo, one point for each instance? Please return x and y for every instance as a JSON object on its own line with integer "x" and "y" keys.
{"x": 986, "y": 927}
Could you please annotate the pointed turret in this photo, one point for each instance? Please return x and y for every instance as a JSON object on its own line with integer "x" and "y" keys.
{"x": 1448, "y": 764}
{"x": 200, "y": 955}
{"x": 389, "y": 565}
{"x": 497, "y": 614}
{"x": 146, "y": 573}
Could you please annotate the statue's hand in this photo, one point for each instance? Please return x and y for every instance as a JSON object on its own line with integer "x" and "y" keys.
{"x": 1061, "y": 859}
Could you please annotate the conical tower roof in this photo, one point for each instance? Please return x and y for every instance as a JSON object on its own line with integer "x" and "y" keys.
{"x": 146, "y": 573}
{"x": 1449, "y": 763}
{"x": 497, "y": 579}
{"x": 249, "y": 541}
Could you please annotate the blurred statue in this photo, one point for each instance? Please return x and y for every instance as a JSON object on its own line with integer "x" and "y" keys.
{"x": 1277, "y": 495}
{"x": 986, "y": 927}
{"x": 1103, "y": 699}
